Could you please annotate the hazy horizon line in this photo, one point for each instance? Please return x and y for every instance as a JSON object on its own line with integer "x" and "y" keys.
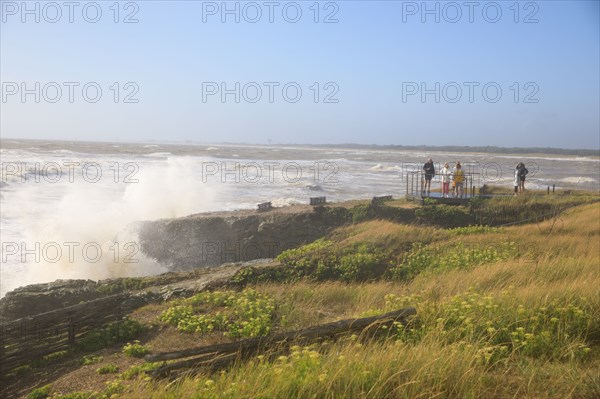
{"x": 469, "y": 148}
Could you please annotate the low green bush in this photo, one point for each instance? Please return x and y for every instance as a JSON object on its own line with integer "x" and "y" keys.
{"x": 135, "y": 349}
{"x": 113, "y": 388}
{"x": 90, "y": 359}
{"x": 135, "y": 371}
{"x": 40, "y": 393}
{"x": 110, "y": 334}
{"x": 107, "y": 369}
{"x": 324, "y": 260}
{"x": 499, "y": 326}
{"x": 236, "y": 314}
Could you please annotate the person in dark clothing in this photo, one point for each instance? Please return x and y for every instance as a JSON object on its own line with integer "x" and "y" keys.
{"x": 429, "y": 173}
{"x": 521, "y": 172}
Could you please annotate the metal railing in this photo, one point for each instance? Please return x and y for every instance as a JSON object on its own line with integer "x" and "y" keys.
{"x": 415, "y": 184}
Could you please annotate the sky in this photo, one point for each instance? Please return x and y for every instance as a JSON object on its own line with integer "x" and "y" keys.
{"x": 506, "y": 73}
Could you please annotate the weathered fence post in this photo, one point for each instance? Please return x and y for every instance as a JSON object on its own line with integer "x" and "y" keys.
{"x": 2, "y": 354}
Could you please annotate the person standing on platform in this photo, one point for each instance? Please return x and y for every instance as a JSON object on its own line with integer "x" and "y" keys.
{"x": 446, "y": 174}
{"x": 458, "y": 176}
{"x": 522, "y": 170}
{"x": 429, "y": 169}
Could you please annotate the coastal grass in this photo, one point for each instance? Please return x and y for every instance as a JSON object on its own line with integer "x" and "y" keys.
{"x": 522, "y": 327}
{"x": 520, "y": 323}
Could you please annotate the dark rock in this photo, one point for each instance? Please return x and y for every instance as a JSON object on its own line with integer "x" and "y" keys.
{"x": 40, "y": 298}
{"x": 191, "y": 244}
{"x": 208, "y": 239}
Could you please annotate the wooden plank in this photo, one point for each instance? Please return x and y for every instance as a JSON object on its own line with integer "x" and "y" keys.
{"x": 320, "y": 331}
{"x": 218, "y": 356}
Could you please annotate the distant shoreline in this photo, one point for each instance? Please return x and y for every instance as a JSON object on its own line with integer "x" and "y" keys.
{"x": 537, "y": 151}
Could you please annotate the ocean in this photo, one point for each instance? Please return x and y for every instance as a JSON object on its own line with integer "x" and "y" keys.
{"x": 70, "y": 209}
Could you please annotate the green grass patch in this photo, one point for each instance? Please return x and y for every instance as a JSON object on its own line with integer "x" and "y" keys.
{"x": 136, "y": 371}
{"x": 40, "y": 393}
{"x": 107, "y": 369}
{"x": 442, "y": 257}
{"x": 475, "y": 229}
{"x": 90, "y": 359}
{"x": 110, "y": 334}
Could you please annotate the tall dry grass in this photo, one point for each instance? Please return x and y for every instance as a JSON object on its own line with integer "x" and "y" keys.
{"x": 558, "y": 265}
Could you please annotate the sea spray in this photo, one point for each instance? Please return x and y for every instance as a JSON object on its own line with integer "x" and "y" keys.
{"x": 83, "y": 230}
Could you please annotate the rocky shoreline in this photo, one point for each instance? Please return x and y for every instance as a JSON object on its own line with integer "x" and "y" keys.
{"x": 36, "y": 299}
{"x": 199, "y": 250}
{"x": 212, "y": 239}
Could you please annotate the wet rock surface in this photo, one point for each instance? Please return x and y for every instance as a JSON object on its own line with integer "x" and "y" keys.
{"x": 216, "y": 238}
{"x": 40, "y": 298}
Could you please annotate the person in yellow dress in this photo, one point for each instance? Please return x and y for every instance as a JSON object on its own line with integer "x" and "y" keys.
{"x": 458, "y": 178}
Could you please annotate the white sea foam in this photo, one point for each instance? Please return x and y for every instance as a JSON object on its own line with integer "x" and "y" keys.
{"x": 101, "y": 214}
{"x": 534, "y": 158}
{"x": 278, "y": 202}
{"x": 159, "y": 154}
{"x": 383, "y": 168}
{"x": 577, "y": 180}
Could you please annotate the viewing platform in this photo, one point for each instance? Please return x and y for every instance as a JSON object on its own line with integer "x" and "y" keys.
{"x": 415, "y": 184}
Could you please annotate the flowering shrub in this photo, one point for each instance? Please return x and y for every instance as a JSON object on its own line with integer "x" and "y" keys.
{"x": 135, "y": 349}
{"x": 499, "y": 326}
{"x": 237, "y": 314}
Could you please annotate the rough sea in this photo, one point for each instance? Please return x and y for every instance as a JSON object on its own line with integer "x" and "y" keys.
{"x": 69, "y": 209}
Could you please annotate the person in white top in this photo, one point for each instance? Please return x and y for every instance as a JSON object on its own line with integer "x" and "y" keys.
{"x": 446, "y": 174}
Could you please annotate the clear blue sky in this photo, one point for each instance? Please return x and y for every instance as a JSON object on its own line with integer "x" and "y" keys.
{"x": 374, "y": 55}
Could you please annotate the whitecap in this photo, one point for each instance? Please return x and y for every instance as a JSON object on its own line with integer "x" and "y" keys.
{"x": 577, "y": 179}
{"x": 382, "y": 168}
{"x": 159, "y": 154}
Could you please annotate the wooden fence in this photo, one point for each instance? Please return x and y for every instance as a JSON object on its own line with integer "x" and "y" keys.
{"x": 215, "y": 357}
{"x": 31, "y": 338}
